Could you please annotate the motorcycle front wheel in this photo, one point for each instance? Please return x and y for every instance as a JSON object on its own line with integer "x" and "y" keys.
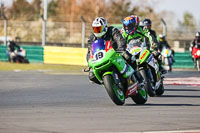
{"x": 198, "y": 64}
{"x": 113, "y": 90}
{"x": 148, "y": 84}
{"x": 160, "y": 90}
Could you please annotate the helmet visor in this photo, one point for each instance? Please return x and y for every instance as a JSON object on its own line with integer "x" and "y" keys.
{"x": 98, "y": 29}
{"x": 129, "y": 28}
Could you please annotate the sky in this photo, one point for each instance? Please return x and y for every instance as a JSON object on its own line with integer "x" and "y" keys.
{"x": 176, "y": 6}
{"x": 181, "y": 6}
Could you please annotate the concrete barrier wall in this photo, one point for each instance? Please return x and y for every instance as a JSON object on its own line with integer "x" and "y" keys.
{"x": 3, "y": 55}
{"x": 34, "y": 53}
{"x": 65, "y": 55}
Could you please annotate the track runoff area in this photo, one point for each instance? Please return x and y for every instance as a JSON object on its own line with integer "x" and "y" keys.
{"x": 193, "y": 81}
{"x": 183, "y": 77}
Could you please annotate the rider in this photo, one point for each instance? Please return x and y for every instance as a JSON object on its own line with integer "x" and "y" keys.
{"x": 132, "y": 30}
{"x": 194, "y": 42}
{"x": 101, "y": 30}
{"x": 163, "y": 43}
{"x": 12, "y": 46}
{"x": 147, "y": 28}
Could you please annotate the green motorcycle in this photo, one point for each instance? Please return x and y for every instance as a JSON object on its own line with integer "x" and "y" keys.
{"x": 148, "y": 67}
{"x": 115, "y": 74}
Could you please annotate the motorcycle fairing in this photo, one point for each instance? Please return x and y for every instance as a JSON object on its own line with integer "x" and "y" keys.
{"x": 166, "y": 52}
{"x": 196, "y": 52}
{"x": 103, "y": 56}
{"x": 152, "y": 62}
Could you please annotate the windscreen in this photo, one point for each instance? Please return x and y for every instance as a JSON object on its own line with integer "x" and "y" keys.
{"x": 98, "y": 45}
{"x": 134, "y": 43}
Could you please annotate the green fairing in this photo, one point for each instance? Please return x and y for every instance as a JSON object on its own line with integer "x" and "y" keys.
{"x": 111, "y": 57}
{"x": 146, "y": 54}
{"x": 106, "y": 73}
{"x": 120, "y": 63}
{"x": 97, "y": 65}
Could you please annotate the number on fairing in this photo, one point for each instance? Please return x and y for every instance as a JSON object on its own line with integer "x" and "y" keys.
{"x": 99, "y": 55}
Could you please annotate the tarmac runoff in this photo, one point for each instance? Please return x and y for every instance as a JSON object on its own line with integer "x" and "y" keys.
{"x": 193, "y": 81}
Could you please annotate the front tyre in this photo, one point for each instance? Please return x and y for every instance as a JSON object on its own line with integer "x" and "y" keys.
{"x": 198, "y": 64}
{"x": 148, "y": 84}
{"x": 160, "y": 90}
{"x": 113, "y": 90}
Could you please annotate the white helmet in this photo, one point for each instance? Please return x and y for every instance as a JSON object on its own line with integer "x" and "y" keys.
{"x": 99, "y": 26}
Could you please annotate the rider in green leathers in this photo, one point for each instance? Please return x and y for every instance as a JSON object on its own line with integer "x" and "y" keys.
{"x": 132, "y": 30}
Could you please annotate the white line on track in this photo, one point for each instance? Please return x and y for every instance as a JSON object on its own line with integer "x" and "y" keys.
{"x": 180, "y": 131}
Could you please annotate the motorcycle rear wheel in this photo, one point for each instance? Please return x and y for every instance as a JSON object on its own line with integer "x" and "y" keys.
{"x": 115, "y": 93}
{"x": 140, "y": 97}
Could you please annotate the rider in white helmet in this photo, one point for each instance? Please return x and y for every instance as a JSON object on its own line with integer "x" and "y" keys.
{"x": 100, "y": 27}
{"x": 109, "y": 33}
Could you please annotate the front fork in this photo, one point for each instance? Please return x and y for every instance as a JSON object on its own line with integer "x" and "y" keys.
{"x": 149, "y": 74}
{"x": 138, "y": 76}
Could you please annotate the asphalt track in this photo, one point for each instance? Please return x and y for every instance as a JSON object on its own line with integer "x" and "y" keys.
{"x": 40, "y": 102}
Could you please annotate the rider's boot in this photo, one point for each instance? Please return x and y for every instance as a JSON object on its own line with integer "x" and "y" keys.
{"x": 93, "y": 78}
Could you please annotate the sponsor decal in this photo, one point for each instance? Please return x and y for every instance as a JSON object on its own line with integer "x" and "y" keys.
{"x": 132, "y": 89}
{"x": 143, "y": 55}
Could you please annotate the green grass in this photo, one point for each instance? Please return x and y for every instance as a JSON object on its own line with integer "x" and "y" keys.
{"x": 5, "y": 66}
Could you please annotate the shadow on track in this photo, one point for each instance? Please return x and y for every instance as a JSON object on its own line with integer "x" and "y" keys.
{"x": 174, "y": 104}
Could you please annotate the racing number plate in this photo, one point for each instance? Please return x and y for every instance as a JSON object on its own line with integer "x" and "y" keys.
{"x": 99, "y": 55}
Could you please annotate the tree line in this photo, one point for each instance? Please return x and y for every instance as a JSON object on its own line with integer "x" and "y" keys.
{"x": 71, "y": 11}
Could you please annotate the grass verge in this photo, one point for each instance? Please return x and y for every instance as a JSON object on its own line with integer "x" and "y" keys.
{"x": 5, "y": 66}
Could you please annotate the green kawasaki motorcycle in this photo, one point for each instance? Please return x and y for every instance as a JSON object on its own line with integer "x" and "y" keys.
{"x": 148, "y": 67}
{"x": 115, "y": 74}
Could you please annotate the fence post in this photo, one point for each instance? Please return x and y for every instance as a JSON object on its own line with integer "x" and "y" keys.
{"x": 164, "y": 27}
{"x": 5, "y": 23}
{"x": 83, "y": 31}
{"x": 5, "y": 32}
{"x": 44, "y": 18}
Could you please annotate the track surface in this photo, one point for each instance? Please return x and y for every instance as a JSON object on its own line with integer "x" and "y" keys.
{"x": 37, "y": 102}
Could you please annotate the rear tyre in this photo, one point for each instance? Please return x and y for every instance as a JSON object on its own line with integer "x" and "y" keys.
{"x": 148, "y": 84}
{"x": 115, "y": 93}
{"x": 141, "y": 96}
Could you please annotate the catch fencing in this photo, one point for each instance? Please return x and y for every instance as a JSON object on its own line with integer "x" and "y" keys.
{"x": 70, "y": 33}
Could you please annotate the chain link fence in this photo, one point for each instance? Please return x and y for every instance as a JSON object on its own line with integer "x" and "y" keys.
{"x": 70, "y": 33}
